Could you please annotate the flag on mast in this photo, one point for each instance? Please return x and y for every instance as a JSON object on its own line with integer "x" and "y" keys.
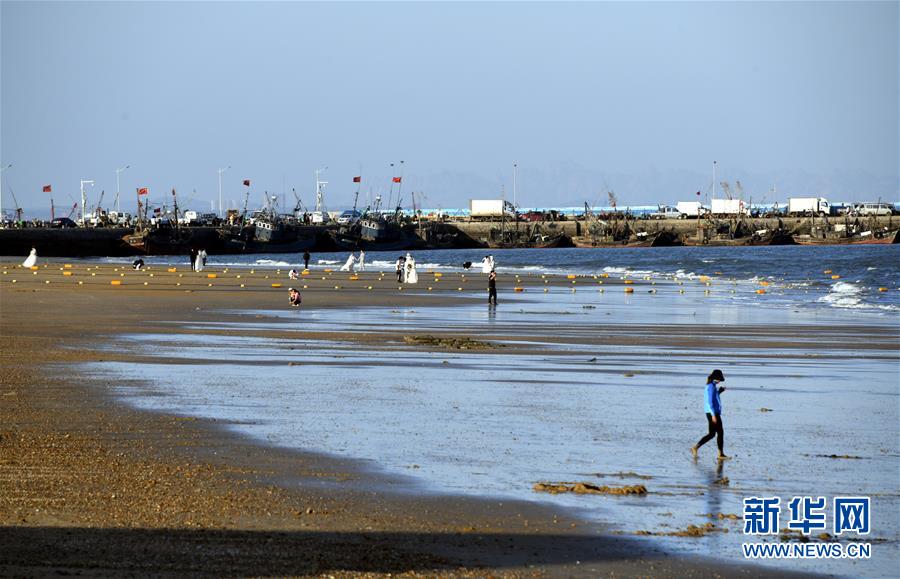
{"x": 397, "y": 179}
{"x": 357, "y": 179}
{"x": 48, "y": 189}
{"x": 246, "y": 182}
{"x": 143, "y": 190}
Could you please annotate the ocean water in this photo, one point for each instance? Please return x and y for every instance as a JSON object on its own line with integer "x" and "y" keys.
{"x": 578, "y": 406}
{"x": 862, "y": 270}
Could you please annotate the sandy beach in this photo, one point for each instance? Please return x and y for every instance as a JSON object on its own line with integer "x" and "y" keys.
{"x": 99, "y": 476}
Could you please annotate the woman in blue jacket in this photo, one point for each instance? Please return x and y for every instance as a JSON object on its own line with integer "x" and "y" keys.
{"x": 713, "y": 407}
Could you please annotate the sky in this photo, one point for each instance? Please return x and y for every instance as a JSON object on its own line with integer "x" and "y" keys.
{"x": 639, "y": 98}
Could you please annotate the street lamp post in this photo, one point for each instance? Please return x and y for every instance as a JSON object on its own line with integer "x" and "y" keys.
{"x": 84, "y": 200}
{"x": 2, "y": 169}
{"x": 515, "y": 200}
{"x": 220, "y": 189}
{"x": 118, "y": 171}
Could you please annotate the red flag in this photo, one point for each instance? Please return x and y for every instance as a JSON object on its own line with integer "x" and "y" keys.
{"x": 143, "y": 191}
{"x": 246, "y": 182}
{"x": 397, "y": 179}
{"x": 48, "y": 189}
{"x": 357, "y": 179}
{"x": 698, "y": 193}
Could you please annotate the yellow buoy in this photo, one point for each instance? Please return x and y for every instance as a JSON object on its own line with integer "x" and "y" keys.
{"x": 116, "y": 282}
{"x": 629, "y": 290}
{"x": 764, "y": 283}
{"x": 67, "y": 265}
{"x": 354, "y": 277}
{"x": 304, "y": 272}
{"x": 835, "y": 277}
{"x": 67, "y": 273}
{"x": 570, "y": 276}
{"x": 760, "y": 291}
{"x": 518, "y": 289}
{"x": 827, "y": 271}
{"x": 172, "y": 269}
{"x": 276, "y": 285}
{"x": 212, "y": 275}
{"x": 328, "y": 270}
{"x": 882, "y": 289}
{"x": 628, "y": 282}
{"x": 438, "y": 274}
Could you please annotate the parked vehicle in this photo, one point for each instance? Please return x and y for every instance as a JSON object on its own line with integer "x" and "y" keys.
{"x": 63, "y": 222}
{"x": 808, "y": 206}
{"x": 666, "y": 212}
{"x": 348, "y": 216}
{"x": 491, "y": 208}
{"x": 691, "y": 209}
{"x": 728, "y": 207}
{"x": 867, "y": 209}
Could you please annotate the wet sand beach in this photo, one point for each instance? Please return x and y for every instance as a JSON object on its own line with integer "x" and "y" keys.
{"x": 98, "y": 477}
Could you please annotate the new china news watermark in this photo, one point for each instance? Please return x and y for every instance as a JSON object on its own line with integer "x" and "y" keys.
{"x": 850, "y": 518}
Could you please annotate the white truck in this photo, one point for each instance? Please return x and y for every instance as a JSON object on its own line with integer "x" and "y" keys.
{"x": 808, "y": 206}
{"x": 491, "y": 208}
{"x": 728, "y": 207}
{"x": 690, "y": 209}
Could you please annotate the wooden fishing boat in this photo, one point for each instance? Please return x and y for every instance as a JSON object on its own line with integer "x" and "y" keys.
{"x": 863, "y": 238}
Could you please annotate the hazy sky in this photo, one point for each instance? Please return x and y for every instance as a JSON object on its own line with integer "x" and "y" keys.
{"x": 638, "y": 98}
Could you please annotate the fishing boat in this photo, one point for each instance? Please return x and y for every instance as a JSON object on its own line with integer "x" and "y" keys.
{"x": 868, "y": 237}
{"x": 268, "y": 233}
{"x": 375, "y": 232}
{"x": 164, "y": 237}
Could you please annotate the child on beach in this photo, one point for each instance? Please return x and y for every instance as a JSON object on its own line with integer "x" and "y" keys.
{"x": 713, "y": 407}
{"x": 293, "y": 274}
{"x": 294, "y": 297}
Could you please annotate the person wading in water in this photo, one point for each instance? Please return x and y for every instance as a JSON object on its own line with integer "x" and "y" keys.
{"x": 713, "y": 407}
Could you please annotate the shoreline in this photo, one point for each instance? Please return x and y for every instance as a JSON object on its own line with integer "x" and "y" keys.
{"x": 81, "y": 470}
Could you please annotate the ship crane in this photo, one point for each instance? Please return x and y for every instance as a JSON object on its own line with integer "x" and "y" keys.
{"x": 726, "y": 188}
{"x": 16, "y": 202}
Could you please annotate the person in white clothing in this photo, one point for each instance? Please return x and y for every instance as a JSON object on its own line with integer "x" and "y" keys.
{"x": 348, "y": 265}
{"x": 200, "y": 260}
{"x": 487, "y": 264}
{"x": 411, "y": 275}
{"x": 31, "y": 259}
{"x": 361, "y": 262}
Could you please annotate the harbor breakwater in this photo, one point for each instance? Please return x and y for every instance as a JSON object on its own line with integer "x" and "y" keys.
{"x": 108, "y": 241}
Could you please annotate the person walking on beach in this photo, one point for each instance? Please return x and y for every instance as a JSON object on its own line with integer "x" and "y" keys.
{"x": 401, "y": 268}
{"x": 492, "y": 287}
{"x": 306, "y": 257}
{"x": 193, "y": 257}
{"x": 713, "y": 407}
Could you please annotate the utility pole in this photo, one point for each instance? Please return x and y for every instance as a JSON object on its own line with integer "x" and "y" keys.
{"x": 2, "y": 169}
{"x": 220, "y": 188}
{"x": 119, "y": 171}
